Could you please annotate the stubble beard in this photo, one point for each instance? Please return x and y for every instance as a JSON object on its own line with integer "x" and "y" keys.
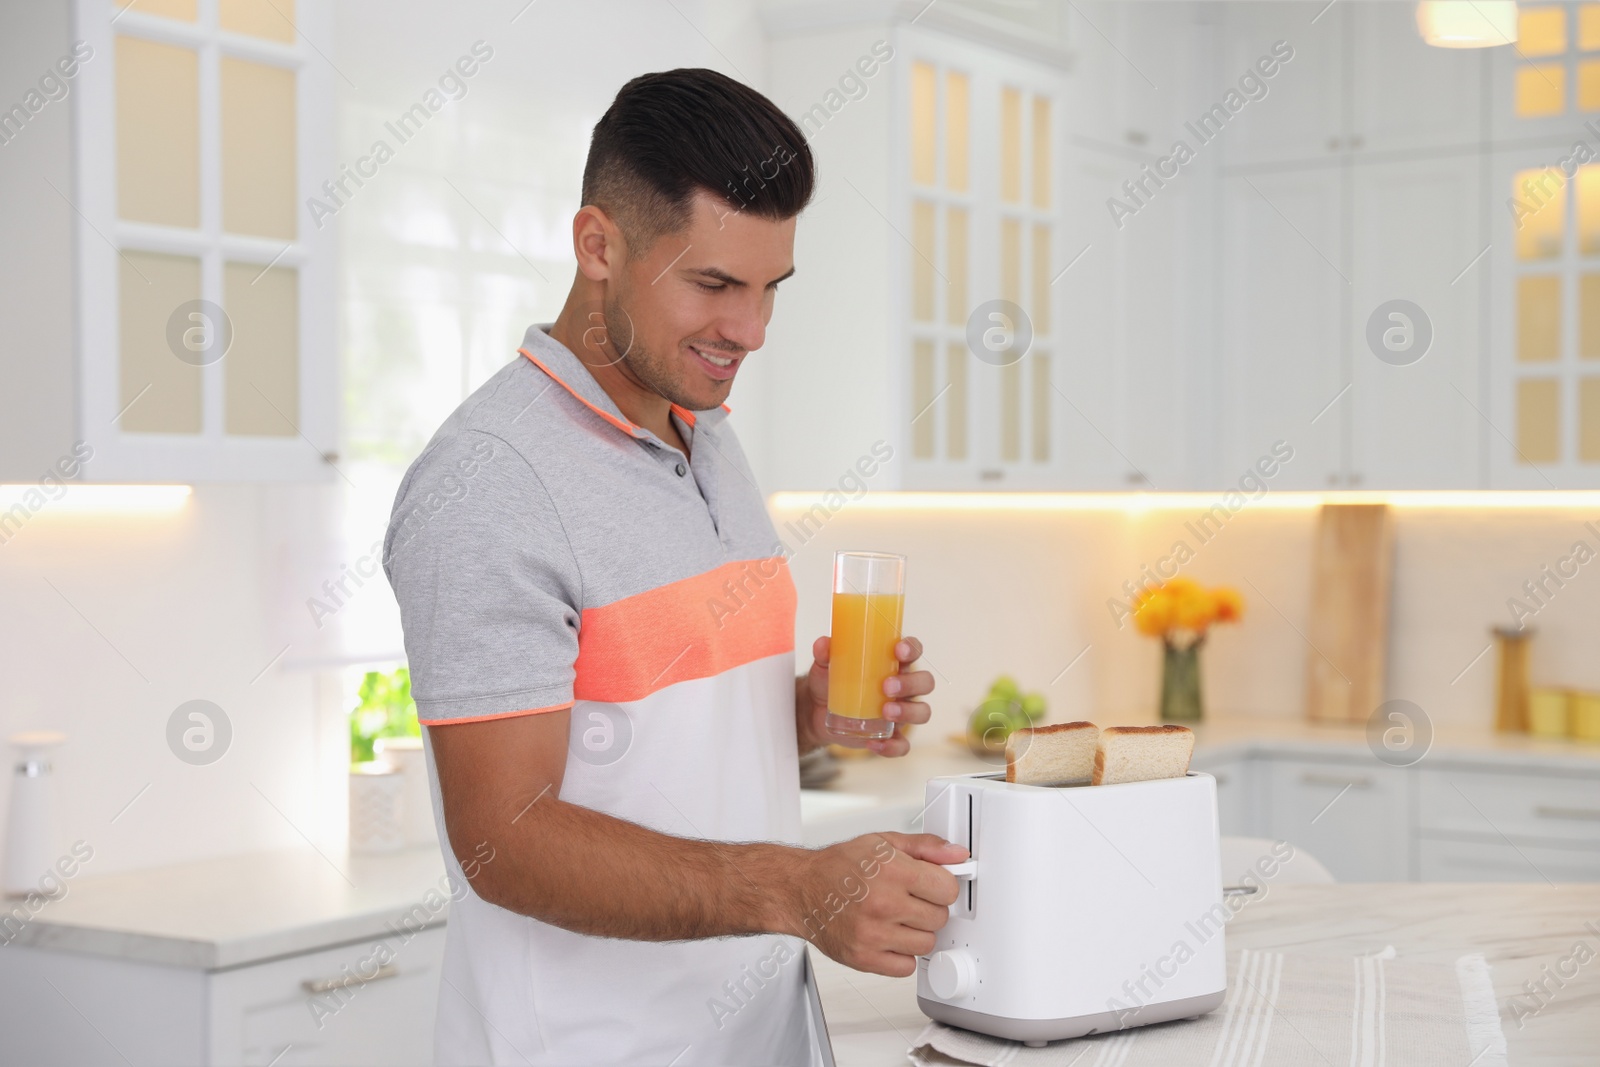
{"x": 654, "y": 374}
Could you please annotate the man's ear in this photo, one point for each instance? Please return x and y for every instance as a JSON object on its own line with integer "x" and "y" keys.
{"x": 597, "y": 242}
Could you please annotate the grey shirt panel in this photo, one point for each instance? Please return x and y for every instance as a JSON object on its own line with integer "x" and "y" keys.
{"x": 562, "y": 511}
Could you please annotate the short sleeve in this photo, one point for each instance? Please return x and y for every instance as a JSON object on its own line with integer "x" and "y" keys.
{"x": 489, "y": 592}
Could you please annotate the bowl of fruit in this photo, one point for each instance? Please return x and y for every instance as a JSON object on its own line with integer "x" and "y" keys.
{"x": 1004, "y": 709}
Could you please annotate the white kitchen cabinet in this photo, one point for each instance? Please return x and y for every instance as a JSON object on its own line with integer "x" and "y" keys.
{"x": 1549, "y": 808}
{"x": 1301, "y": 118}
{"x": 1543, "y": 307}
{"x": 1406, "y": 95}
{"x": 67, "y": 1009}
{"x": 1415, "y": 415}
{"x": 1445, "y": 859}
{"x": 1237, "y": 805}
{"x": 182, "y": 325}
{"x": 317, "y": 1009}
{"x": 1352, "y": 815}
{"x": 1285, "y": 285}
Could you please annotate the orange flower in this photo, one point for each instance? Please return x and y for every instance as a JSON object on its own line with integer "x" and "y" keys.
{"x": 1182, "y": 604}
{"x": 1152, "y": 612}
{"x": 1230, "y": 605}
{"x": 1194, "y": 610}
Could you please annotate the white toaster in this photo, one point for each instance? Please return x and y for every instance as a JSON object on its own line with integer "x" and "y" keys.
{"x": 1083, "y": 909}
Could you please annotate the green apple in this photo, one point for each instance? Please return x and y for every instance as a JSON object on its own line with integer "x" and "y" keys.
{"x": 1033, "y": 706}
{"x": 1006, "y": 686}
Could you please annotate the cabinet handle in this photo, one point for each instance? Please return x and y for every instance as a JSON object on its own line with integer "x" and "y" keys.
{"x": 1357, "y": 141}
{"x": 317, "y": 986}
{"x": 1333, "y": 144}
{"x": 1547, "y": 811}
{"x": 1312, "y": 778}
{"x": 991, "y": 475}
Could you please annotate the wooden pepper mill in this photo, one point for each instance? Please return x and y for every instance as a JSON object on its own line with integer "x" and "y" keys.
{"x": 1511, "y": 706}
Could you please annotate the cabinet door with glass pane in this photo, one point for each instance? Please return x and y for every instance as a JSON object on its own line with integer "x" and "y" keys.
{"x": 205, "y": 324}
{"x": 976, "y": 191}
{"x": 1544, "y": 323}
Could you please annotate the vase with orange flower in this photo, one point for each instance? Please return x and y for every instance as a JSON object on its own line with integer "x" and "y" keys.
{"x": 1181, "y": 612}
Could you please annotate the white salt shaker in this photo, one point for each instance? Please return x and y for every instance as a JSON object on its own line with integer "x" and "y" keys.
{"x": 30, "y": 845}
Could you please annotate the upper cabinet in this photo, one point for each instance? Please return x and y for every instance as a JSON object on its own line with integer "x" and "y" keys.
{"x": 205, "y": 300}
{"x": 200, "y": 334}
{"x": 1407, "y": 96}
{"x": 1295, "y": 57}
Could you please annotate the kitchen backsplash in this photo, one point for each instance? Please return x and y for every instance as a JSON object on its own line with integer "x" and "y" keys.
{"x": 1033, "y": 593}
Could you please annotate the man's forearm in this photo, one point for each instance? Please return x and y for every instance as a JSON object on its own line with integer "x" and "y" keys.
{"x": 593, "y": 873}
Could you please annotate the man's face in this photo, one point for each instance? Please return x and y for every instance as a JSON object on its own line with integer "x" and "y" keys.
{"x": 684, "y": 316}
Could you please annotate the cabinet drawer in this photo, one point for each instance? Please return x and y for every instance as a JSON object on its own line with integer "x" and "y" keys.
{"x": 1450, "y": 860}
{"x": 1351, "y": 816}
{"x": 1521, "y": 806}
{"x": 315, "y": 1009}
{"x": 1234, "y": 806}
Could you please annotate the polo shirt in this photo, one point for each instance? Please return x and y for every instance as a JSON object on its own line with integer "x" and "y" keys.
{"x": 548, "y": 553}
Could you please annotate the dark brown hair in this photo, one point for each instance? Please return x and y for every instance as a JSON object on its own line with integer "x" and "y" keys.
{"x": 669, "y": 134}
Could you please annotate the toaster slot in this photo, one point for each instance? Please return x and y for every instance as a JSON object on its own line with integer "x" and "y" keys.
{"x": 970, "y": 824}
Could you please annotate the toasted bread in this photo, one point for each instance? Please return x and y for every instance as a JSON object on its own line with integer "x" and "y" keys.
{"x": 1059, "y": 754}
{"x": 1142, "y": 753}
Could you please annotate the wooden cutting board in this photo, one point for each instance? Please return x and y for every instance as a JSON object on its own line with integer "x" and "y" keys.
{"x": 1351, "y": 577}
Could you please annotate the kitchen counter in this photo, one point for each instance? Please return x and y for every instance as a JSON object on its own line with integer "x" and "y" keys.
{"x": 236, "y": 910}
{"x": 1520, "y": 929}
{"x": 903, "y": 780}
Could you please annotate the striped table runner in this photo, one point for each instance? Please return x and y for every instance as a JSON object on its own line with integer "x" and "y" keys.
{"x": 1284, "y": 1010}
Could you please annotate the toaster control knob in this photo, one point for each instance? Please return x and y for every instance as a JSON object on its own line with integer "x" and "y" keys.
{"x": 951, "y": 974}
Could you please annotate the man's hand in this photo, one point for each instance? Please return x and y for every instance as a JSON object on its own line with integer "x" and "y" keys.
{"x": 875, "y": 903}
{"x": 811, "y": 701}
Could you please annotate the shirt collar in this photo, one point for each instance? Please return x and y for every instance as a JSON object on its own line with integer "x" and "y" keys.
{"x": 568, "y": 371}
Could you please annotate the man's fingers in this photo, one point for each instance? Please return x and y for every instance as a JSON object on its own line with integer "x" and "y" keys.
{"x": 907, "y": 711}
{"x": 892, "y": 964}
{"x": 908, "y": 650}
{"x": 908, "y": 684}
{"x": 927, "y": 916}
{"x": 820, "y": 649}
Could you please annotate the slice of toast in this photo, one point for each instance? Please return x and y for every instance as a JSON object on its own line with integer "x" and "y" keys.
{"x": 1059, "y": 754}
{"x": 1142, "y": 753}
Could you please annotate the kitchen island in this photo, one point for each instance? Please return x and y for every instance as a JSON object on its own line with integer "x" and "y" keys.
{"x": 1520, "y": 929}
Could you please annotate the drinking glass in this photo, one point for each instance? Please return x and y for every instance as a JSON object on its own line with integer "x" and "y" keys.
{"x": 868, "y": 604}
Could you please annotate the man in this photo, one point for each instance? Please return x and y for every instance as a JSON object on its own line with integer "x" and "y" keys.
{"x": 600, "y": 626}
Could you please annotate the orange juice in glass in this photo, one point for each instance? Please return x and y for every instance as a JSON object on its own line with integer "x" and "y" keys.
{"x": 868, "y": 604}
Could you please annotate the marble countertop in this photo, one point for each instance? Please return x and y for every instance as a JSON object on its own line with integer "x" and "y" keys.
{"x": 1520, "y": 929}
{"x": 234, "y": 910}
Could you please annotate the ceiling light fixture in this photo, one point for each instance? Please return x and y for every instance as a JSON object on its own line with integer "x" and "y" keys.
{"x": 1467, "y": 23}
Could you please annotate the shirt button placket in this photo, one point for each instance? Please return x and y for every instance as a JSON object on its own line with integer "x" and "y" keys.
{"x": 681, "y": 469}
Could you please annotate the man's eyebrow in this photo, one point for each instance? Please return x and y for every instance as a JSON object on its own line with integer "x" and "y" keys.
{"x": 727, "y": 279}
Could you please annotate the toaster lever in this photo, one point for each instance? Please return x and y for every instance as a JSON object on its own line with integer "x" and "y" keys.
{"x": 965, "y": 869}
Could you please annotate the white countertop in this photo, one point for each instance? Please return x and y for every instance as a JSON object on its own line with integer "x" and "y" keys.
{"x": 904, "y": 780}
{"x": 1519, "y": 929}
{"x": 233, "y": 910}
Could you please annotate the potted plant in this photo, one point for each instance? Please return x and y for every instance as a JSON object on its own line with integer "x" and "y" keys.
{"x": 1181, "y": 612}
{"x": 377, "y": 786}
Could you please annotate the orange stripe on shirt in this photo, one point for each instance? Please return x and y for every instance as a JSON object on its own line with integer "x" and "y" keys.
{"x": 497, "y": 715}
{"x": 698, "y": 627}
